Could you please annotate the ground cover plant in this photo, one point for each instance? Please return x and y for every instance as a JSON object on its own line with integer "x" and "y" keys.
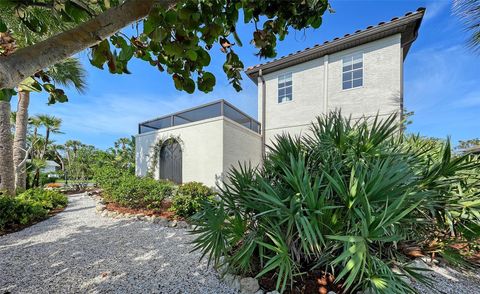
{"x": 29, "y": 207}
{"x": 351, "y": 201}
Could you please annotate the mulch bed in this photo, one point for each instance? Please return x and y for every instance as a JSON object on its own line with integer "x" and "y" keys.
{"x": 163, "y": 212}
{"x": 18, "y": 227}
{"x": 314, "y": 281}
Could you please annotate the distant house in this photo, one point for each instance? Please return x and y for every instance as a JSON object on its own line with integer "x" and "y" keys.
{"x": 50, "y": 167}
{"x": 360, "y": 73}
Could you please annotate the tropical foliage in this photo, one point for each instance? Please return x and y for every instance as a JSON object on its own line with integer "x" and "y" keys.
{"x": 30, "y": 206}
{"x": 190, "y": 198}
{"x": 176, "y": 36}
{"x": 131, "y": 191}
{"x": 469, "y": 13}
{"x": 351, "y": 198}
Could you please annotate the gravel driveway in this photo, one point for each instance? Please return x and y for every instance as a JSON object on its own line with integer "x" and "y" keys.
{"x": 80, "y": 251}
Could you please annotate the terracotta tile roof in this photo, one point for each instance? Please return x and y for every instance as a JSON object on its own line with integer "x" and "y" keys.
{"x": 411, "y": 21}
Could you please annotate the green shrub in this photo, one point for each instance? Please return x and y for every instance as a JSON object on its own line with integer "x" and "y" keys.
{"x": 345, "y": 198}
{"x": 30, "y": 206}
{"x": 45, "y": 179}
{"x": 15, "y": 211}
{"x": 131, "y": 191}
{"x": 28, "y": 211}
{"x": 49, "y": 199}
{"x": 190, "y": 198}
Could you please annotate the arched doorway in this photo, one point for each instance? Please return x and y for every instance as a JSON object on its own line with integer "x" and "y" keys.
{"x": 171, "y": 162}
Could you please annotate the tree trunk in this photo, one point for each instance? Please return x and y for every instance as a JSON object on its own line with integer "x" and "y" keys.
{"x": 20, "y": 141}
{"x": 7, "y": 171}
{"x": 45, "y": 147}
{"x": 27, "y": 61}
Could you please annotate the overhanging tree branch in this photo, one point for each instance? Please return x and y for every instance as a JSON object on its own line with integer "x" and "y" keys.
{"x": 27, "y": 61}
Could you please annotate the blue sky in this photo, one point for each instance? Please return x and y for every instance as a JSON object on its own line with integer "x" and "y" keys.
{"x": 441, "y": 79}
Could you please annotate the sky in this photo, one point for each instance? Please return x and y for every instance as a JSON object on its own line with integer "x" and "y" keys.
{"x": 442, "y": 78}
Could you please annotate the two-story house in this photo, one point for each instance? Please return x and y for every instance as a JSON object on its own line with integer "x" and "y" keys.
{"x": 360, "y": 73}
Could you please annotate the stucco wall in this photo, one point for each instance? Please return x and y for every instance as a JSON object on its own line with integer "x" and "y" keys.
{"x": 209, "y": 147}
{"x": 202, "y": 150}
{"x": 381, "y": 90}
{"x": 240, "y": 146}
{"x": 381, "y": 79}
{"x": 307, "y": 100}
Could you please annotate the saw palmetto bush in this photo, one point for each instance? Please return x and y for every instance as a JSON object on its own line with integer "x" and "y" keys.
{"x": 349, "y": 198}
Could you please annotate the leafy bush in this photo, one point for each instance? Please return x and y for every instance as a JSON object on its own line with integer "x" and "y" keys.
{"x": 131, "y": 191}
{"x": 347, "y": 198}
{"x": 47, "y": 198}
{"x": 30, "y": 206}
{"x": 190, "y": 198}
{"x": 45, "y": 179}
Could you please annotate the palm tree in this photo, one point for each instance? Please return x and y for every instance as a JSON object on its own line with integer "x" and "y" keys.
{"x": 68, "y": 73}
{"x": 469, "y": 13}
{"x": 20, "y": 139}
{"x": 7, "y": 170}
{"x": 52, "y": 126}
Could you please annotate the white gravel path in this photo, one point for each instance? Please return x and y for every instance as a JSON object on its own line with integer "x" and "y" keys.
{"x": 78, "y": 251}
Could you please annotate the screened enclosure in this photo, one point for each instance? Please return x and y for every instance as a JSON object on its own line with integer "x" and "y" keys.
{"x": 206, "y": 111}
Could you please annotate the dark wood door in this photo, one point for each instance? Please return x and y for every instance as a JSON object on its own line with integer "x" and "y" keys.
{"x": 171, "y": 162}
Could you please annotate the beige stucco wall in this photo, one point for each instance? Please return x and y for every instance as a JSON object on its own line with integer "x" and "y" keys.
{"x": 240, "y": 146}
{"x": 381, "y": 90}
{"x": 208, "y": 149}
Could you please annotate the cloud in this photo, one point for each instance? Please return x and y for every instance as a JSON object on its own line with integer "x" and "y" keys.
{"x": 434, "y": 8}
{"x": 438, "y": 73}
{"x": 471, "y": 99}
{"x": 118, "y": 114}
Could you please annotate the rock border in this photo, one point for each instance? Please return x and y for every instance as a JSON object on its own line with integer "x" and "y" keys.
{"x": 101, "y": 209}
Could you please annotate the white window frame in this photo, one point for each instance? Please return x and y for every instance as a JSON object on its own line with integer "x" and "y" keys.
{"x": 351, "y": 58}
{"x": 284, "y": 76}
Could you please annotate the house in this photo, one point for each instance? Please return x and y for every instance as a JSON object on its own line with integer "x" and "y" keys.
{"x": 360, "y": 73}
{"x": 50, "y": 167}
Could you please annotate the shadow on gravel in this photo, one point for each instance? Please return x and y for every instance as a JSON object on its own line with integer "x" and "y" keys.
{"x": 112, "y": 256}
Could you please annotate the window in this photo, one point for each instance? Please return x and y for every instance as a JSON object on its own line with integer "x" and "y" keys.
{"x": 285, "y": 87}
{"x": 352, "y": 71}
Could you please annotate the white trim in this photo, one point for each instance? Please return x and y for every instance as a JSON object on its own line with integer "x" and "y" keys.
{"x": 351, "y": 55}
{"x": 278, "y": 79}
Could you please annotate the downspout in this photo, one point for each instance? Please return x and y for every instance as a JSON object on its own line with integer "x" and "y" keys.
{"x": 260, "y": 75}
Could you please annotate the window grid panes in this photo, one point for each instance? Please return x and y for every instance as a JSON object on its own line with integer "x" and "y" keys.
{"x": 352, "y": 73}
{"x": 285, "y": 87}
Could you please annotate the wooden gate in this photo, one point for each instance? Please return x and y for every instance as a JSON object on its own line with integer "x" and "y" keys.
{"x": 171, "y": 162}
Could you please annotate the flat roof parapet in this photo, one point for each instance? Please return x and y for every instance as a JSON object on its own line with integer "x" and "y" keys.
{"x": 198, "y": 113}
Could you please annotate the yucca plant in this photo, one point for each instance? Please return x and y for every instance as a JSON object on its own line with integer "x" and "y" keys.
{"x": 347, "y": 198}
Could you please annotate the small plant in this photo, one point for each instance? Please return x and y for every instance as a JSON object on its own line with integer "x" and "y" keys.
{"x": 190, "y": 198}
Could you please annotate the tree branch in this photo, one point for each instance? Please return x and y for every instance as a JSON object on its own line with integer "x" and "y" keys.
{"x": 27, "y": 61}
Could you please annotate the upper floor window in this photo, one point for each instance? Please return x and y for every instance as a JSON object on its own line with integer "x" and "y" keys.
{"x": 285, "y": 87}
{"x": 352, "y": 71}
